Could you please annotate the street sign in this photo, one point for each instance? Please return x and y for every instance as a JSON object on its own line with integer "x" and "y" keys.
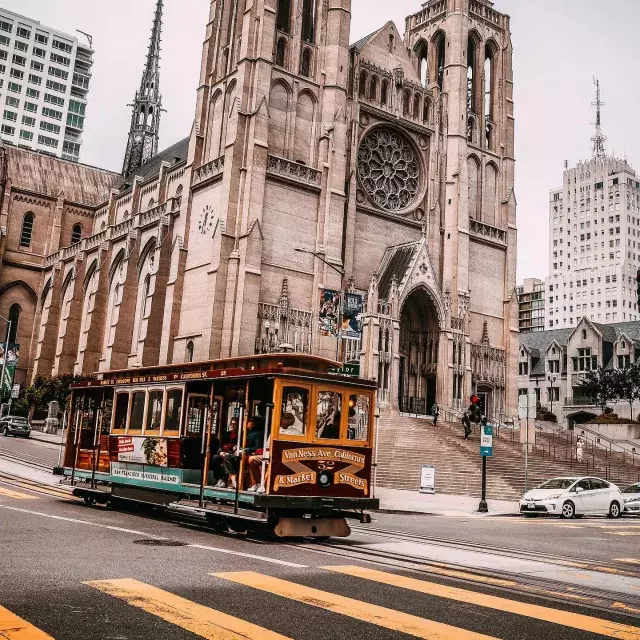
{"x": 486, "y": 441}
{"x": 15, "y": 392}
{"x": 352, "y": 370}
{"x": 427, "y": 479}
{"x": 527, "y": 406}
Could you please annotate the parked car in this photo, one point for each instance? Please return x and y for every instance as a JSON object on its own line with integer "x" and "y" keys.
{"x": 574, "y": 497}
{"x": 15, "y": 426}
{"x": 631, "y": 498}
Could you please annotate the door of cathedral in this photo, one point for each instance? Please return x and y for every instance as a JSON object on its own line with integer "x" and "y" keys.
{"x": 419, "y": 341}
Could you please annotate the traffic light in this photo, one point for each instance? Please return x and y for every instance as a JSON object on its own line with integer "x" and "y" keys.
{"x": 474, "y": 409}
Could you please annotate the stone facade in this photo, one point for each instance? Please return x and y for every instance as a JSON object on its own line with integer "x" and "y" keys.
{"x": 380, "y": 167}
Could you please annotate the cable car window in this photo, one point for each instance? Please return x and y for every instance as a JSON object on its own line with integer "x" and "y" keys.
{"x": 173, "y": 411}
{"x": 329, "y": 412}
{"x": 154, "y": 414}
{"x": 195, "y": 416}
{"x": 137, "y": 411}
{"x": 294, "y": 412}
{"x": 359, "y": 411}
{"x": 121, "y": 412}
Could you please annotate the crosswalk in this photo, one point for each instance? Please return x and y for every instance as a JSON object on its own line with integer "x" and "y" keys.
{"x": 213, "y": 623}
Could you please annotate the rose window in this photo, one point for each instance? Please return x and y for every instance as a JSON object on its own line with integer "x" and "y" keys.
{"x": 388, "y": 169}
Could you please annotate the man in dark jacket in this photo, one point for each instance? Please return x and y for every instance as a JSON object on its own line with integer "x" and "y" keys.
{"x": 254, "y": 448}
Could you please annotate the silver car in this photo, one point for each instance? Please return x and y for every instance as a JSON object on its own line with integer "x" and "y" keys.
{"x": 631, "y": 498}
{"x": 15, "y": 426}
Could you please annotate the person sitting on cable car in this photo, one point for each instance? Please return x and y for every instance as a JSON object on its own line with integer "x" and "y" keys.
{"x": 227, "y": 456}
{"x": 254, "y": 448}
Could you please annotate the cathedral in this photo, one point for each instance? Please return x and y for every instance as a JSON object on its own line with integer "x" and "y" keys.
{"x": 383, "y": 167}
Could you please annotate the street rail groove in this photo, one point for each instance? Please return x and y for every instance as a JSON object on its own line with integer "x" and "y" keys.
{"x": 31, "y": 461}
{"x": 196, "y": 618}
{"x": 14, "y": 628}
{"x": 371, "y": 613}
{"x": 9, "y": 493}
{"x": 556, "y": 616}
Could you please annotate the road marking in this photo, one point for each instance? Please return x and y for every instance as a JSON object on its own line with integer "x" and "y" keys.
{"x": 624, "y": 607}
{"x": 9, "y": 493}
{"x": 14, "y": 628}
{"x": 628, "y": 560}
{"x": 624, "y": 533}
{"x": 374, "y": 614}
{"x": 556, "y": 616}
{"x": 249, "y": 555}
{"x": 201, "y": 620}
{"x": 58, "y": 493}
{"x": 87, "y": 522}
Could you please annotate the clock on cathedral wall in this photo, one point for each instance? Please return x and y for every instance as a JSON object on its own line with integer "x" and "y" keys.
{"x": 207, "y": 220}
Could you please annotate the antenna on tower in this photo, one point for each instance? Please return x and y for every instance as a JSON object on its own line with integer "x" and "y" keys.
{"x": 599, "y": 139}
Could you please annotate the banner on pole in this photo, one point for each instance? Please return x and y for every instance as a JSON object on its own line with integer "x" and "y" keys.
{"x": 329, "y": 313}
{"x": 12, "y": 353}
{"x": 7, "y": 382}
{"x": 352, "y": 316}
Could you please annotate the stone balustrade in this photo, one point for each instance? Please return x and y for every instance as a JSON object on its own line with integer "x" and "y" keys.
{"x": 153, "y": 215}
{"x": 122, "y": 229}
{"x": 207, "y": 171}
{"x": 487, "y": 232}
{"x": 72, "y": 250}
{"x": 49, "y": 261}
{"x": 294, "y": 171}
{"x": 96, "y": 240}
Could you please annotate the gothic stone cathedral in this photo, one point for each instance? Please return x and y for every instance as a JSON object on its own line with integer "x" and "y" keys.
{"x": 385, "y": 167}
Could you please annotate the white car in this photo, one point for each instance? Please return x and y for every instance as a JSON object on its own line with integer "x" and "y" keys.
{"x": 574, "y": 498}
{"x": 631, "y": 498}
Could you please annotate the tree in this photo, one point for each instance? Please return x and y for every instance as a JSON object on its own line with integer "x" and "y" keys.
{"x": 599, "y": 386}
{"x": 627, "y": 385}
{"x": 44, "y": 390}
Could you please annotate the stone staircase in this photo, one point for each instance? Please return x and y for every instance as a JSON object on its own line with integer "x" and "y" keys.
{"x": 405, "y": 444}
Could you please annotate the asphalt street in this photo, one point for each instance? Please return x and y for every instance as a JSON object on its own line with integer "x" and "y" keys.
{"x": 69, "y": 571}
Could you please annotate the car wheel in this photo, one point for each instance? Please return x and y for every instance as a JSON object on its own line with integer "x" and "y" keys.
{"x": 614, "y": 510}
{"x": 5, "y": 433}
{"x": 568, "y": 510}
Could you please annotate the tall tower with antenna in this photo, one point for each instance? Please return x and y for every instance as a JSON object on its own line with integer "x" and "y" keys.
{"x": 599, "y": 139}
{"x": 142, "y": 144}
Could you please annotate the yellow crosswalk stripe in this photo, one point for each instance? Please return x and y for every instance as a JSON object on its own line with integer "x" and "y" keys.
{"x": 14, "y": 628}
{"x": 628, "y": 560}
{"x": 200, "y": 620}
{"x": 556, "y": 616}
{"x": 374, "y": 614}
{"x": 9, "y": 493}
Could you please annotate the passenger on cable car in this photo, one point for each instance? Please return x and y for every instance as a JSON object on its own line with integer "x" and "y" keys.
{"x": 254, "y": 447}
{"x": 227, "y": 457}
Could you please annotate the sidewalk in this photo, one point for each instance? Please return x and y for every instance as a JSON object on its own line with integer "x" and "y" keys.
{"x": 440, "y": 504}
{"x": 48, "y": 437}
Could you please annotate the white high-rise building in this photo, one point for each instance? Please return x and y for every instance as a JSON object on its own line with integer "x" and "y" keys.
{"x": 44, "y": 82}
{"x": 594, "y": 235}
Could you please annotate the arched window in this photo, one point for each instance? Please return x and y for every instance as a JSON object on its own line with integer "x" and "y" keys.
{"x": 126, "y": 215}
{"x": 14, "y": 318}
{"x": 145, "y": 295}
{"x": 142, "y": 116}
{"x": 76, "y": 233}
{"x": 406, "y": 101}
{"x": 151, "y": 203}
{"x": 416, "y": 106}
{"x": 308, "y": 20}
{"x": 472, "y": 82}
{"x": 421, "y": 50}
{"x": 392, "y": 42}
{"x": 488, "y": 95}
{"x": 283, "y": 17}
{"x": 373, "y": 88}
{"x": 190, "y": 350}
{"x": 305, "y": 68}
{"x": 103, "y": 226}
{"x": 281, "y": 52}
{"x": 179, "y": 190}
{"x": 441, "y": 48}
{"x": 384, "y": 93}
{"x": 584, "y": 334}
{"x": 27, "y": 230}
{"x": 150, "y": 117}
{"x": 425, "y": 110}
{"x": 362, "y": 84}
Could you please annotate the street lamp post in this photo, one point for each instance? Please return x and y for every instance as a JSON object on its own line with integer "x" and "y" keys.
{"x": 552, "y": 380}
{"x": 4, "y": 359}
{"x": 339, "y": 271}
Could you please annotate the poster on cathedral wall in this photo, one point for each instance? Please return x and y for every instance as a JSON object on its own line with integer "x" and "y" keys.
{"x": 352, "y": 316}
{"x": 329, "y": 313}
{"x": 12, "y": 353}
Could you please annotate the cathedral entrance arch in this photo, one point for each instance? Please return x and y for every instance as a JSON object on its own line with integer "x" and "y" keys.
{"x": 419, "y": 343}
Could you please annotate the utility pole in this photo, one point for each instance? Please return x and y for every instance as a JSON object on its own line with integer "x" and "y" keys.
{"x": 4, "y": 359}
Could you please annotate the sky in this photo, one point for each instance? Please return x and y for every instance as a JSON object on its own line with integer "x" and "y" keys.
{"x": 559, "y": 46}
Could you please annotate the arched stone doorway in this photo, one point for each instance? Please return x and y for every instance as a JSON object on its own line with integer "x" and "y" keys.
{"x": 419, "y": 344}
{"x": 578, "y": 418}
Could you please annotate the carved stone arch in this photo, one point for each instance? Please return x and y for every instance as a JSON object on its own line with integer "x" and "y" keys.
{"x": 474, "y": 181}
{"x": 23, "y": 285}
{"x": 279, "y": 106}
{"x": 117, "y": 261}
{"x": 490, "y": 193}
{"x": 475, "y": 35}
{"x": 421, "y": 51}
{"x": 89, "y": 274}
{"x": 433, "y": 297}
{"x": 306, "y": 104}
{"x": 67, "y": 282}
{"x": 362, "y": 83}
{"x": 176, "y": 242}
{"x": 437, "y": 57}
{"x": 214, "y": 125}
{"x": 144, "y": 254}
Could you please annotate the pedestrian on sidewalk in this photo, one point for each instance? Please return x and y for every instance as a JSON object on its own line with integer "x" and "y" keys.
{"x": 579, "y": 445}
{"x": 435, "y": 412}
{"x": 466, "y": 423}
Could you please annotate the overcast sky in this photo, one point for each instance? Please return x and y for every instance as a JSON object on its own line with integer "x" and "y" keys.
{"x": 559, "y": 45}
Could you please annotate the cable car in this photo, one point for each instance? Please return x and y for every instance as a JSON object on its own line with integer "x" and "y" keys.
{"x": 276, "y": 443}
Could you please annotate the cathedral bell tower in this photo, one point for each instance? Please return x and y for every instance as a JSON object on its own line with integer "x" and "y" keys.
{"x": 145, "y": 120}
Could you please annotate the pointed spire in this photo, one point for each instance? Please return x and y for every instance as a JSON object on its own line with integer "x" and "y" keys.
{"x": 485, "y": 334}
{"x": 147, "y": 106}
{"x": 599, "y": 139}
